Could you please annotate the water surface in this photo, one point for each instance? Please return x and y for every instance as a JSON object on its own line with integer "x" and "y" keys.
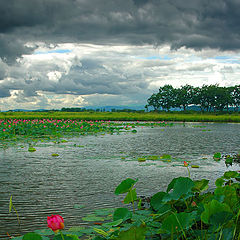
{"x": 42, "y": 185}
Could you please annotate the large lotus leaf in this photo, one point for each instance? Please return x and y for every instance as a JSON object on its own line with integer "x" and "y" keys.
{"x": 125, "y": 186}
{"x": 182, "y": 187}
{"x": 156, "y": 200}
{"x": 131, "y": 196}
{"x": 226, "y": 194}
{"x": 220, "y": 218}
{"x": 134, "y": 233}
{"x": 122, "y": 213}
{"x": 171, "y": 184}
{"x": 213, "y": 207}
{"x": 200, "y": 185}
{"x": 178, "y": 221}
{"x": 230, "y": 174}
{"x": 226, "y": 233}
{"x": 219, "y": 182}
{"x": 231, "y": 197}
{"x": 163, "y": 212}
{"x": 32, "y": 236}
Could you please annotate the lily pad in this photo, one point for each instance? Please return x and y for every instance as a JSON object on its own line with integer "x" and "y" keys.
{"x": 31, "y": 149}
{"x": 166, "y": 156}
{"x": 153, "y": 157}
{"x": 92, "y": 218}
{"x": 104, "y": 211}
{"x": 194, "y": 166}
{"x": 78, "y": 206}
{"x": 55, "y": 155}
{"x": 141, "y": 159}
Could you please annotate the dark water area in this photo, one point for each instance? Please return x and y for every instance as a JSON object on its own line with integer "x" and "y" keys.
{"x": 42, "y": 185}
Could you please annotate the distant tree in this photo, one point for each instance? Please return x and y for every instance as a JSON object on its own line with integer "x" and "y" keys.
{"x": 166, "y": 97}
{"x": 184, "y": 96}
{"x": 153, "y": 101}
{"x": 223, "y": 98}
{"x": 236, "y": 97}
{"x": 205, "y": 97}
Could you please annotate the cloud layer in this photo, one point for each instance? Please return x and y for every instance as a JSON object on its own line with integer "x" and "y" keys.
{"x": 83, "y": 52}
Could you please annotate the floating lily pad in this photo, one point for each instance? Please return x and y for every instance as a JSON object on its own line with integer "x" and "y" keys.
{"x": 31, "y": 149}
{"x": 194, "y": 166}
{"x": 153, "y": 157}
{"x": 104, "y": 211}
{"x": 141, "y": 159}
{"x": 92, "y": 218}
{"x": 55, "y": 154}
{"x": 166, "y": 156}
{"x": 78, "y": 206}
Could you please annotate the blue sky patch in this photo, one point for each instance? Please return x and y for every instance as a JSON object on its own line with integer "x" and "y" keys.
{"x": 54, "y": 51}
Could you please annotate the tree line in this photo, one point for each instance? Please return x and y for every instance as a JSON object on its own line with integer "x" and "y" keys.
{"x": 208, "y": 98}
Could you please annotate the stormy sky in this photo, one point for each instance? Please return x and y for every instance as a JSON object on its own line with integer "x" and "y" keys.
{"x": 78, "y": 53}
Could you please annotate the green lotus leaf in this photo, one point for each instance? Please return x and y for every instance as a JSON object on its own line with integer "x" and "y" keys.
{"x": 125, "y": 186}
{"x": 122, "y": 213}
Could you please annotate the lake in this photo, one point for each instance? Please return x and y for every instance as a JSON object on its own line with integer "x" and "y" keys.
{"x": 89, "y": 168}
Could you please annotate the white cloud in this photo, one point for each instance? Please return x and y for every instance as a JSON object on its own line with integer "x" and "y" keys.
{"x": 80, "y": 74}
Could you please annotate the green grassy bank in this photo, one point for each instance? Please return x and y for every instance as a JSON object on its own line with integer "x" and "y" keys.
{"x": 123, "y": 116}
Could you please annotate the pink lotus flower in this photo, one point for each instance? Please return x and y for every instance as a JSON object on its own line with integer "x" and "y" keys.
{"x": 185, "y": 164}
{"x": 55, "y": 222}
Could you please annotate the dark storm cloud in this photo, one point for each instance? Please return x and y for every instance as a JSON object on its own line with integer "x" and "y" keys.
{"x": 4, "y": 93}
{"x": 194, "y": 24}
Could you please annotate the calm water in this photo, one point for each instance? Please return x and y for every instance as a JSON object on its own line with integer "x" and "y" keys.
{"x": 42, "y": 185}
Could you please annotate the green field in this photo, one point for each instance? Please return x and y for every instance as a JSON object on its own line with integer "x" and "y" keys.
{"x": 124, "y": 116}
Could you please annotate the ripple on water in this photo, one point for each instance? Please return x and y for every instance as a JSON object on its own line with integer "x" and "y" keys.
{"x": 42, "y": 185}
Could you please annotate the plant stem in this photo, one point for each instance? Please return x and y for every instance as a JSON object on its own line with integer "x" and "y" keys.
{"x": 61, "y": 235}
{"x": 188, "y": 172}
{"x": 16, "y": 214}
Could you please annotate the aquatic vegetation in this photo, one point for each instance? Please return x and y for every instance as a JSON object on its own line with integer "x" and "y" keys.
{"x": 217, "y": 156}
{"x": 55, "y": 154}
{"x": 39, "y": 129}
{"x": 184, "y": 211}
{"x": 194, "y": 166}
{"x": 166, "y": 157}
{"x": 10, "y": 209}
{"x": 31, "y": 149}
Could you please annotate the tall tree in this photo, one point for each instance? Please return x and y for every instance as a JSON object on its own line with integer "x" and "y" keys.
{"x": 223, "y": 98}
{"x": 184, "y": 96}
{"x": 166, "y": 97}
{"x": 236, "y": 96}
{"x": 153, "y": 101}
